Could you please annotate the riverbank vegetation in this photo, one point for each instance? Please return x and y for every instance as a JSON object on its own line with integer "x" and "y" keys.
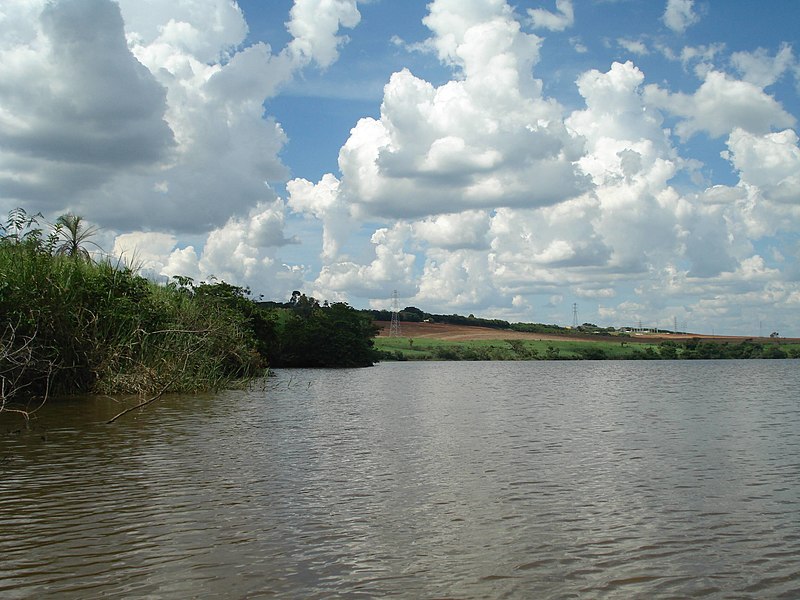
{"x": 309, "y": 334}
{"x": 73, "y": 324}
{"x": 404, "y": 348}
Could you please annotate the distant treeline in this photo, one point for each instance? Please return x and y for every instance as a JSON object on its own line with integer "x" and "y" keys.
{"x": 697, "y": 349}
{"x": 413, "y": 314}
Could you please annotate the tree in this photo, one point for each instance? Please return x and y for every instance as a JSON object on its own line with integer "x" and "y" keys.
{"x": 74, "y": 235}
{"x": 331, "y": 335}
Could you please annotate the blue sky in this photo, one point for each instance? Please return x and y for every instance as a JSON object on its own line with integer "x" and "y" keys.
{"x": 638, "y": 158}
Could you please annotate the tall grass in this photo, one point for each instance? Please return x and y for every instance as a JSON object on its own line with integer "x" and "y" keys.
{"x": 71, "y": 325}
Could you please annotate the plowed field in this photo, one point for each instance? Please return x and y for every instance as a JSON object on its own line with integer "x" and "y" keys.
{"x": 459, "y": 333}
{"x": 455, "y": 333}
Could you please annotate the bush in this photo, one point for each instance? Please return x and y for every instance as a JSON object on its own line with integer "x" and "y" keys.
{"x": 309, "y": 335}
{"x": 82, "y": 326}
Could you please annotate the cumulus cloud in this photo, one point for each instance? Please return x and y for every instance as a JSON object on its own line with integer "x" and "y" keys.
{"x": 679, "y": 15}
{"x": 243, "y": 251}
{"x": 720, "y": 105}
{"x": 137, "y": 115}
{"x": 769, "y": 162}
{"x": 65, "y": 128}
{"x": 148, "y": 117}
{"x": 461, "y": 278}
{"x": 147, "y": 250}
{"x": 477, "y": 193}
{"x": 472, "y": 143}
{"x": 462, "y": 230}
{"x": 324, "y": 202}
{"x": 760, "y": 68}
{"x": 209, "y": 30}
{"x": 148, "y": 114}
{"x": 391, "y": 269}
{"x": 634, "y": 46}
{"x": 314, "y": 25}
{"x": 563, "y": 18}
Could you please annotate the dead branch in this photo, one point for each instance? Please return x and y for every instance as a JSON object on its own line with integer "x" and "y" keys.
{"x": 16, "y": 357}
{"x": 140, "y": 405}
{"x": 154, "y": 398}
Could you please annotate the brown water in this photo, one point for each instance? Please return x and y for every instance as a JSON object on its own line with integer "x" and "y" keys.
{"x": 460, "y": 480}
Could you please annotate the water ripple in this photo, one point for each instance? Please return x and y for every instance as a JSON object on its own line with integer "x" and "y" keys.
{"x": 496, "y": 480}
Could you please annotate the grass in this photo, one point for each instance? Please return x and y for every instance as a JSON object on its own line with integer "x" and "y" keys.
{"x": 404, "y": 348}
{"x": 71, "y": 325}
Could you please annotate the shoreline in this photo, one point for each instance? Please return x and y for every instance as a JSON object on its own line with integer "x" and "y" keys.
{"x": 467, "y": 333}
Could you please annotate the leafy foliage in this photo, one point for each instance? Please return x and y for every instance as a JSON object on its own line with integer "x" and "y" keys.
{"x": 80, "y": 326}
{"x": 307, "y": 334}
{"x": 73, "y": 237}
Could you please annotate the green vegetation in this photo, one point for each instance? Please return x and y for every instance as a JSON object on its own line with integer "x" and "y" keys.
{"x": 307, "y": 334}
{"x": 69, "y": 324}
{"x": 403, "y": 348}
{"x": 73, "y": 325}
{"x": 413, "y": 314}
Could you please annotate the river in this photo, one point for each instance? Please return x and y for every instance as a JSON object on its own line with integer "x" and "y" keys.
{"x": 417, "y": 480}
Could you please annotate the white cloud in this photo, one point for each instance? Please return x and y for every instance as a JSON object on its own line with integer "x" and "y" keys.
{"x": 65, "y": 130}
{"x": 314, "y": 24}
{"x": 578, "y": 45}
{"x": 456, "y": 279}
{"x": 702, "y": 56}
{"x": 761, "y": 69}
{"x": 208, "y": 30}
{"x": 637, "y": 47}
{"x": 148, "y": 132}
{"x": 243, "y": 252}
{"x": 324, "y": 202}
{"x": 145, "y": 250}
{"x": 472, "y": 143}
{"x": 679, "y": 15}
{"x": 554, "y": 21}
{"x": 478, "y": 194}
{"x": 462, "y": 230}
{"x": 148, "y": 113}
{"x": 720, "y": 105}
{"x": 391, "y": 269}
{"x": 770, "y": 162}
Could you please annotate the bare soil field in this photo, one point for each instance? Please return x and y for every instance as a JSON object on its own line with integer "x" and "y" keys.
{"x": 463, "y": 333}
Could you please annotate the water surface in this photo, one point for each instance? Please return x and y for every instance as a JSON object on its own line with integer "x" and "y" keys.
{"x": 461, "y": 480}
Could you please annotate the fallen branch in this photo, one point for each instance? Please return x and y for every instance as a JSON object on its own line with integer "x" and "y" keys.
{"x": 154, "y": 398}
{"x": 140, "y": 405}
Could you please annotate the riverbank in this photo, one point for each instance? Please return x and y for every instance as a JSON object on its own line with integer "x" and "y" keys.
{"x": 440, "y": 341}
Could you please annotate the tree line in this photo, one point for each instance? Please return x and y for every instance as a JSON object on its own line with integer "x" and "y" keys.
{"x": 412, "y": 314}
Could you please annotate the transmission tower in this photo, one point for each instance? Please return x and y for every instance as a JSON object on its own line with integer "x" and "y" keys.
{"x": 394, "y": 328}
{"x": 574, "y": 315}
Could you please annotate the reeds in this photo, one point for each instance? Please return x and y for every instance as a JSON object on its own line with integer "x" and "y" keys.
{"x": 84, "y": 326}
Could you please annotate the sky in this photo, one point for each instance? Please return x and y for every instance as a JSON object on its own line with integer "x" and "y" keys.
{"x": 634, "y": 161}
